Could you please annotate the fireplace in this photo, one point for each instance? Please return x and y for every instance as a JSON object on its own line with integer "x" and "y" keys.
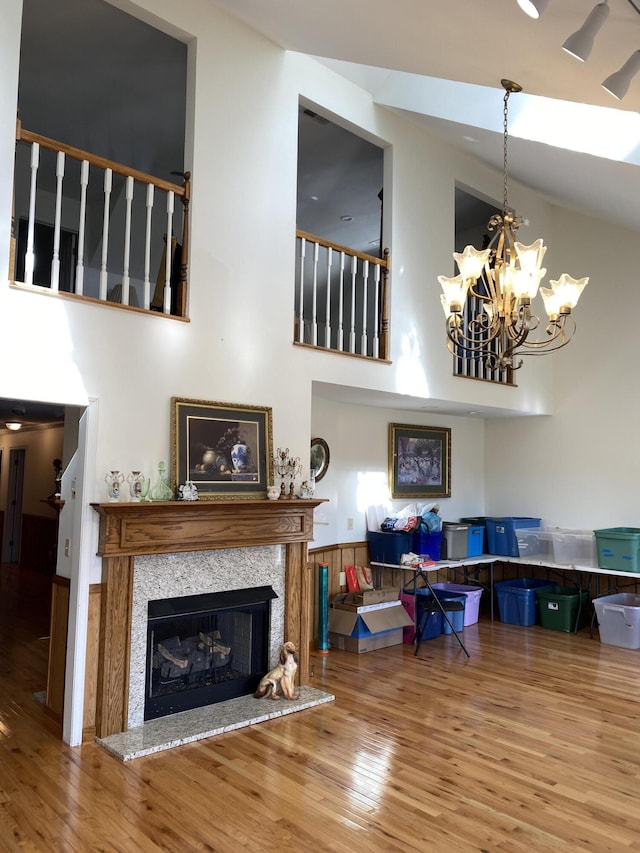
{"x": 204, "y": 649}
{"x": 133, "y": 536}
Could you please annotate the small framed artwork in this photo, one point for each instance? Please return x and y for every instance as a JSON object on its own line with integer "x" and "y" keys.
{"x": 225, "y": 449}
{"x": 319, "y": 460}
{"x": 419, "y": 461}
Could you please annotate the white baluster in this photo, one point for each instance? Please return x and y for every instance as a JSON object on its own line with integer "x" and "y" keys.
{"x": 167, "y": 281}
{"x": 29, "y": 259}
{"x": 55, "y": 260}
{"x": 340, "y": 342}
{"x": 84, "y": 183}
{"x": 108, "y": 180}
{"x": 365, "y": 293}
{"x": 376, "y": 312}
{"x": 147, "y": 247}
{"x": 127, "y": 239}
{"x": 303, "y": 250}
{"x": 352, "y": 336}
{"x": 327, "y": 316}
{"x": 314, "y": 318}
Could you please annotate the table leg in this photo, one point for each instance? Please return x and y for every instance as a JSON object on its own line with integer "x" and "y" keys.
{"x": 444, "y": 613}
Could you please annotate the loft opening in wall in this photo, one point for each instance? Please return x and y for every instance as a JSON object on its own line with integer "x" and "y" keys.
{"x": 341, "y": 265}
{"x": 471, "y": 216}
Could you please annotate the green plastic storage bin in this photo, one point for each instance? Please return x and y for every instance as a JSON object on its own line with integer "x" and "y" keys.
{"x": 619, "y": 548}
{"x": 563, "y": 608}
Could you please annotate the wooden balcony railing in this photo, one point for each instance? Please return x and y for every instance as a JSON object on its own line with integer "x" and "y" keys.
{"x": 342, "y": 298}
{"x": 94, "y": 228}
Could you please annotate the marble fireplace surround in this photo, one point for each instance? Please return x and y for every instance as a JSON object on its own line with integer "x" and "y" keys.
{"x": 132, "y": 536}
{"x": 172, "y": 575}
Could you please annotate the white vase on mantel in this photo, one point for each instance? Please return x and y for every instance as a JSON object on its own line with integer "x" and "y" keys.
{"x": 114, "y": 479}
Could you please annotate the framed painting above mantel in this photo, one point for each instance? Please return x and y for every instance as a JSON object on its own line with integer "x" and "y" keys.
{"x": 225, "y": 449}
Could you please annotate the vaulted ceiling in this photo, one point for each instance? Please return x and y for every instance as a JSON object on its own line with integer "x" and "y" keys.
{"x": 441, "y": 63}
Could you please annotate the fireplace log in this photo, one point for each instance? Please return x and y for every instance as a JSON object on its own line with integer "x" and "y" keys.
{"x": 183, "y": 664}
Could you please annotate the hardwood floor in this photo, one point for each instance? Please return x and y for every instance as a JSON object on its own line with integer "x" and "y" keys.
{"x": 531, "y": 744}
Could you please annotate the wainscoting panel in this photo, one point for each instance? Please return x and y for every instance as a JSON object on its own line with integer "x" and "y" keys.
{"x": 57, "y": 645}
{"x": 91, "y": 663}
{"x": 336, "y": 557}
{"x": 352, "y": 554}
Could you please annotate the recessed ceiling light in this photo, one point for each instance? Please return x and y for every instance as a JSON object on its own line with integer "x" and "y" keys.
{"x": 13, "y": 425}
{"x": 346, "y": 218}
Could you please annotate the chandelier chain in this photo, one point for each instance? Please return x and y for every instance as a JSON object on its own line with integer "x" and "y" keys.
{"x": 505, "y": 202}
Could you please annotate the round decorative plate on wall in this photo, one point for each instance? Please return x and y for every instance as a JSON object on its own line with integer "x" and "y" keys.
{"x": 319, "y": 458}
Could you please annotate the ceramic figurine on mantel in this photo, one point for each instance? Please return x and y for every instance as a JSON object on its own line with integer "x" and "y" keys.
{"x": 161, "y": 491}
{"x": 136, "y": 485}
{"x": 114, "y": 479}
{"x": 189, "y": 491}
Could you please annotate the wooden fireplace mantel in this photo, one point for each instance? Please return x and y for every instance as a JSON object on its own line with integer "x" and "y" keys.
{"x": 128, "y": 530}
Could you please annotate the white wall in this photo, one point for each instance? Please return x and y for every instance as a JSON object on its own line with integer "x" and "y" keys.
{"x": 581, "y": 467}
{"x": 358, "y": 439}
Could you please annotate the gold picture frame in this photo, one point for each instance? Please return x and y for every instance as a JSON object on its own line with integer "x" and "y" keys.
{"x": 225, "y": 449}
{"x": 419, "y": 461}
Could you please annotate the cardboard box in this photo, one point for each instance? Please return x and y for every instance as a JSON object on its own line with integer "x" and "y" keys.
{"x": 366, "y": 644}
{"x": 352, "y": 600}
{"x": 369, "y": 627}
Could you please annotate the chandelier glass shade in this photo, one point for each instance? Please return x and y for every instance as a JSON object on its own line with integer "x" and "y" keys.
{"x": 488, "y": 305}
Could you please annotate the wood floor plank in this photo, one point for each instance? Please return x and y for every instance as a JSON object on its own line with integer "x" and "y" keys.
{"x": 531, "y": 744}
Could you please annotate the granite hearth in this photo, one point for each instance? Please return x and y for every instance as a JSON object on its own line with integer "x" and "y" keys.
{"x": 190, "y": 726}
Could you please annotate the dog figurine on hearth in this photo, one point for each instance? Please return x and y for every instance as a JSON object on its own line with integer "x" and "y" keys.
{"x": 280, "y": 680}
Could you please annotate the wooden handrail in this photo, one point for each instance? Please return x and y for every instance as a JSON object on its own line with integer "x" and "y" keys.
{"x": 313, "y": 238}
{"x": 183, "y": 192}
{"x": 102, "y": 162}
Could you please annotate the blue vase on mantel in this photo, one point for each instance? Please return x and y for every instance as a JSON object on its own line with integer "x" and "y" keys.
{"x": 241, "y": 457}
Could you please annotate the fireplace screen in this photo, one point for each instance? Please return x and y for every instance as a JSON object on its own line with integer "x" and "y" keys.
{"x": 204, "y": 649}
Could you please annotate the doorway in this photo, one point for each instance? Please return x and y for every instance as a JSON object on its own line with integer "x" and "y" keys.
{"x": 12, "y": 532}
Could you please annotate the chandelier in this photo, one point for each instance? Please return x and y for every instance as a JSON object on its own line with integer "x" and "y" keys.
{"x": 502, "y": 279}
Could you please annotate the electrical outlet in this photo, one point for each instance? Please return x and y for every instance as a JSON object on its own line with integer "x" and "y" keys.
{"x": 67, "y": 547}
{"x": 349, "y": 524}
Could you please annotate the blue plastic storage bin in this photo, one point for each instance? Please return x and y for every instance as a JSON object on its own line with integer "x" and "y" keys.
{"x": 388, "y": 547}
{"x": 453, "y": 603}
{"x": 517, "y": 602}
{"x": 428, "y": 619}
{"x": 429, "y": 623}
{"x": 428, "y": 543}
{"x": 476, "y": 540}
{"x": 478, "y": 521}
{"x": 501, "y": 534}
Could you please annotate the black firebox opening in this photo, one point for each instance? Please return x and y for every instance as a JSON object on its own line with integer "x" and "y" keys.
{"x": 204, "y": 649}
